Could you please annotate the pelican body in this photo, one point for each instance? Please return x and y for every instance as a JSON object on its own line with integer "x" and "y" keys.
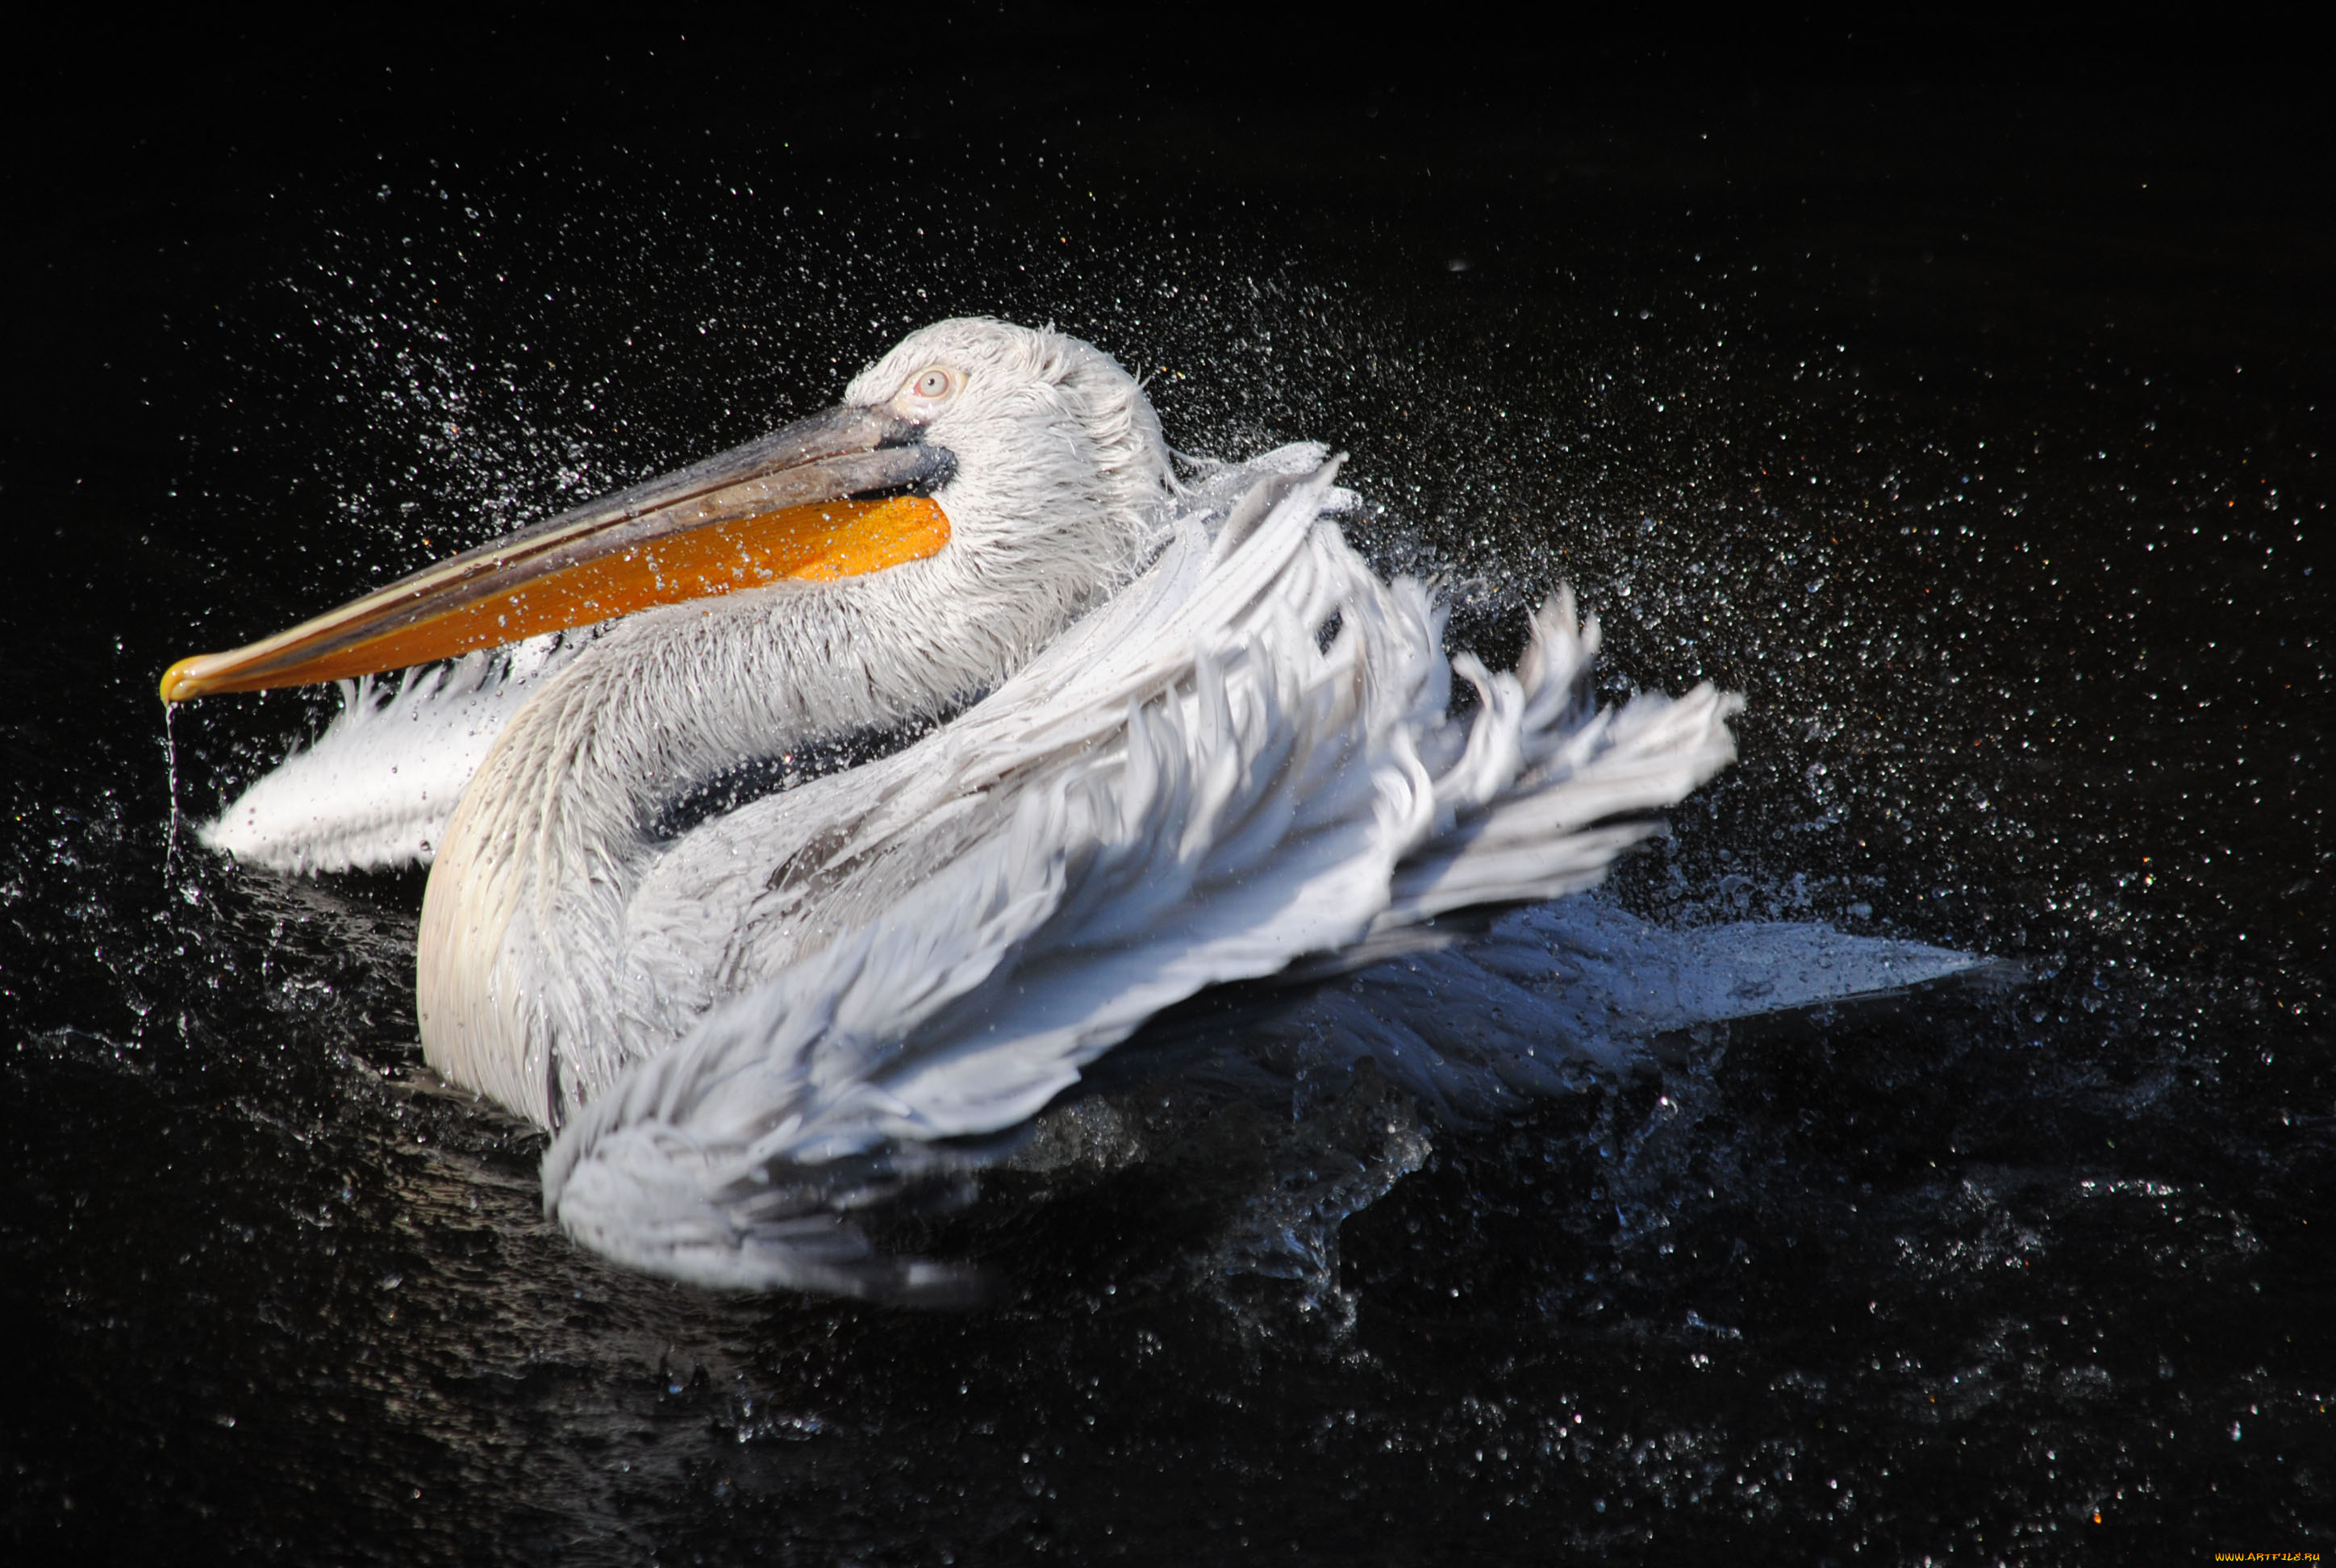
{"x": 1056, "y": 475}
{"x": 1189, "y": 737}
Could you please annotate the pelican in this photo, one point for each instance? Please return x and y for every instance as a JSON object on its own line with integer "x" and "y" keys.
{"x": 1165, "y": 734}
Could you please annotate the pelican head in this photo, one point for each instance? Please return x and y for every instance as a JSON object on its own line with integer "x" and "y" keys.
{"x": 1031, "y": 456}
{"x": 1055, "y": 449}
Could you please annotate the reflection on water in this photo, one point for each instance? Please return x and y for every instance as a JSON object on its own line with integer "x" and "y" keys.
{"x": 2013, "y": 570}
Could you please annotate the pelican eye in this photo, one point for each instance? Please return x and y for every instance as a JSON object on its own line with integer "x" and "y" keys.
{"x": 934, "y": 383}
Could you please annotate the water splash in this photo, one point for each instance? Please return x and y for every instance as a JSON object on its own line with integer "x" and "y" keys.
{"x": 170, "y": 762}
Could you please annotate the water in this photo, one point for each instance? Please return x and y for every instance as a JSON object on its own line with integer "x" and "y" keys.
{"x": 1979, "y": 439}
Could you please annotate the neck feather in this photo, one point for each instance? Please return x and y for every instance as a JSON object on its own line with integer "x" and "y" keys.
{"x": 522, "y": 940}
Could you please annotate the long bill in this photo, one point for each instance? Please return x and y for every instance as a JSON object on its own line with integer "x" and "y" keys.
{"x": 800, "y": 503}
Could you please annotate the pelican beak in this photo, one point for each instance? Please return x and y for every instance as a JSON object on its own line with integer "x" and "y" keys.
{"x": 802, "y": 503}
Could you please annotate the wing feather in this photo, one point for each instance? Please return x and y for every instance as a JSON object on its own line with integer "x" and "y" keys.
{"x": 1187, "y": 790}
{"x": 375, "y": 789}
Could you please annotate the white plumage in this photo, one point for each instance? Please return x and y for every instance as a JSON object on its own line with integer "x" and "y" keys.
{"x": 1214, "y": 746}
{"x": 377, "y": 788}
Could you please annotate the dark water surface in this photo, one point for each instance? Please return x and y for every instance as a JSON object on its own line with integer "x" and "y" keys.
{"x": 1977, "y": 431}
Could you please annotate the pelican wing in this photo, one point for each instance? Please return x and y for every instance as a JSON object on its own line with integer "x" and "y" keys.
{"x": 376, "y": 788}
{"x": 749, "y": 893}
{"x": 1478, "y": 1030}
{"x": 1194, "y": 786}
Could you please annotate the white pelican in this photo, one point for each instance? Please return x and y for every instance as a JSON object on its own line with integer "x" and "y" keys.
{"x": 1199, "y": 741}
